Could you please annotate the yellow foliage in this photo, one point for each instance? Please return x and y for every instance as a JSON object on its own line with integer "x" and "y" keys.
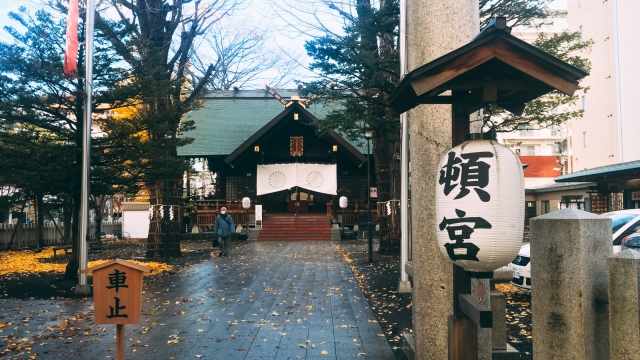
{"x": 509, "y": 288}
{"x": 16, "y": 262}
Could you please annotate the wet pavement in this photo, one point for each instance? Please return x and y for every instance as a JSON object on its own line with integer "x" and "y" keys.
{"x": 267, "y": 300}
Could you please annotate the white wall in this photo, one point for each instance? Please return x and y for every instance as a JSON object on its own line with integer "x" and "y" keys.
{"x": 136, "y": 223}
{"x": 629, "y": 53}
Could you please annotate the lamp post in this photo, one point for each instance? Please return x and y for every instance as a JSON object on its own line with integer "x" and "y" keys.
{"x": 368, "y": 136}
{"x": 344, "y": 202}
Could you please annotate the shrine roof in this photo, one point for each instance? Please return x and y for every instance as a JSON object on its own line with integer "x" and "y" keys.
{"x": 494, "y": 68}
{"x": 226, "y": 119}
{"x": 610, "y": 173}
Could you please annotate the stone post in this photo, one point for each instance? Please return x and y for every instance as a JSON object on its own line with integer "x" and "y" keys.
{"x": 624, "y": 305}
{"x": 434, "y": 28}
{"x": 569, "y": 250}
{"x": 501, "y": 349}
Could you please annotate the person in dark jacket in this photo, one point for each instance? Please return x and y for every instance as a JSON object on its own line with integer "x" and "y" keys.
{"x": 224, "y": 228}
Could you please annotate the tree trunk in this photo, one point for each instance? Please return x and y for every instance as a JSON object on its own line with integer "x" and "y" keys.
{"x": 71, "y": 271}
{"x": 40, "y": 221}
{"x": 387, "y": 154}
{"x": 67, "y": 212}
{"x": 163, "y": 231}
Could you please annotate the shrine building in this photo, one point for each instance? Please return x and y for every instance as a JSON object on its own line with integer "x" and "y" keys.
{"x": 263, "y": 144}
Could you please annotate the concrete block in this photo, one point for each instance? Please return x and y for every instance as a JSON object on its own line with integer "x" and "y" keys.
{"x": 624, "y": 305}
{"x": 409, "y": 346}
{"x": 499, "y": 331}
{"x": 507, "y": 354}
{"x": 569, "y": 250}
{"x": 253, "y": 234}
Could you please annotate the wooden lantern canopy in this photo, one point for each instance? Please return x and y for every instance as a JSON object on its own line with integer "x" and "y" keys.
{"x": 117, "y": 292}
{"x": 494, "y": 68}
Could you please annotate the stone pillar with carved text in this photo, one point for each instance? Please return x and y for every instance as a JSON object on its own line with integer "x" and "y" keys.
{"x": 569, "y": 285}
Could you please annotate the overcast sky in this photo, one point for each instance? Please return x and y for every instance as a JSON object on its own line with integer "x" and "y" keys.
{"x": 256, "y": 11}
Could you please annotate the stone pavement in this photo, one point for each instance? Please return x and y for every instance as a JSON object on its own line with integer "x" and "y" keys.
{"x": 267, "y": 300}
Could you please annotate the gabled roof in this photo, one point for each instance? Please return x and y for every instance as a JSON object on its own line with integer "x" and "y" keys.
{"x": 494, "y": 68}
{"x": 120, "y": 262}
{"x": 623, "y": 171}
{"x": 281, "y": 120}
{"x": 227, "y": 118}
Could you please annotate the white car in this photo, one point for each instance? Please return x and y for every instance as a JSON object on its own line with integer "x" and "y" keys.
{"x": 521, "y": 267}
{"x": 624, "y": 223}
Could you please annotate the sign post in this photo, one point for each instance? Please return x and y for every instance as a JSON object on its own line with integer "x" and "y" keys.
{"x": 117, "y": 295}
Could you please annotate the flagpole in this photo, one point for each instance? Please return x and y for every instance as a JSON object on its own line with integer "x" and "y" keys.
{"x": 83, "y": 287}
{"x": 404, "y": 285}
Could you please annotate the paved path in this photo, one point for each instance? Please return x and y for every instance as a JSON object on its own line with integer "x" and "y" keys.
{"x": 267, "y": 300}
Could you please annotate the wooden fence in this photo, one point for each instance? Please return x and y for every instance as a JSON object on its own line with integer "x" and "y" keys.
{"x": 27, "y": 234}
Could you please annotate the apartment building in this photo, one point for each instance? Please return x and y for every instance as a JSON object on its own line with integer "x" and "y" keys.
{"x": 608, "y": 132}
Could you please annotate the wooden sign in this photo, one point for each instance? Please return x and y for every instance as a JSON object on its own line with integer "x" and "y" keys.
{"x": 117, "y": 291}
{"x": 296, "y": 146}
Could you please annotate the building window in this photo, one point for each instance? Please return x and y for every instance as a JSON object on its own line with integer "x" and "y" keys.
{"x": 544, "y": 207}
{"x": 527, "y": 150}
{"x": 555, "y": 130}
{"x": 584, "y": 102}
{"x": 584, "y": 139}
{"x": 526, "y": 130}
{"x": 581, "y": 34}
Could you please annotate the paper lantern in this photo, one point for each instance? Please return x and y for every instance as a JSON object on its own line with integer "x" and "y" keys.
{"x": 343, "y": 202}
{"x": 246, "y": 203}
{"x": 480, "y": 206}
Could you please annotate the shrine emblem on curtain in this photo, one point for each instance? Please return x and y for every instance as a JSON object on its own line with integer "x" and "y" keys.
{"x": 296, "y": 146}
{"x": 315, "y": 177}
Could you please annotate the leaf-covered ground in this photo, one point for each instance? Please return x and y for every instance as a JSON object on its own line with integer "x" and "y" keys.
{"x": 379, "y": 283}
{"x": 518, "y": 319}
{"x": 38, "y": 275}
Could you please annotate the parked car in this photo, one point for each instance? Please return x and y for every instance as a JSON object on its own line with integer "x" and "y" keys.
{"x": 625, "y": 225}
{"x": 521, "y": 267}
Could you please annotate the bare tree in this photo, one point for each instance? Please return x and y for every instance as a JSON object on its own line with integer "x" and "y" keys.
{"x": 157, "y": 39}
{"x": 242, "y": 56}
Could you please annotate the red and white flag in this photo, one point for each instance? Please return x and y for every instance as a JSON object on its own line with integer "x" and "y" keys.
{"x": 71, "y": 51}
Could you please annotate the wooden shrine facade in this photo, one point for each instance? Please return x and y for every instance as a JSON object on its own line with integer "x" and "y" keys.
{"x": 289, "y": 137}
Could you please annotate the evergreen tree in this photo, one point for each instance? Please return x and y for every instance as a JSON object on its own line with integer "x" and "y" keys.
{"x": 363, "y": 66}
{"x": 40, "y": 135}
{"x": 361, "y": 69}
{"x": 552, "y": 109}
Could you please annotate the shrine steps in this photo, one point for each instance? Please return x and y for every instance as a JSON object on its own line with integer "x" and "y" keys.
{"x": 289, "y": 227}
